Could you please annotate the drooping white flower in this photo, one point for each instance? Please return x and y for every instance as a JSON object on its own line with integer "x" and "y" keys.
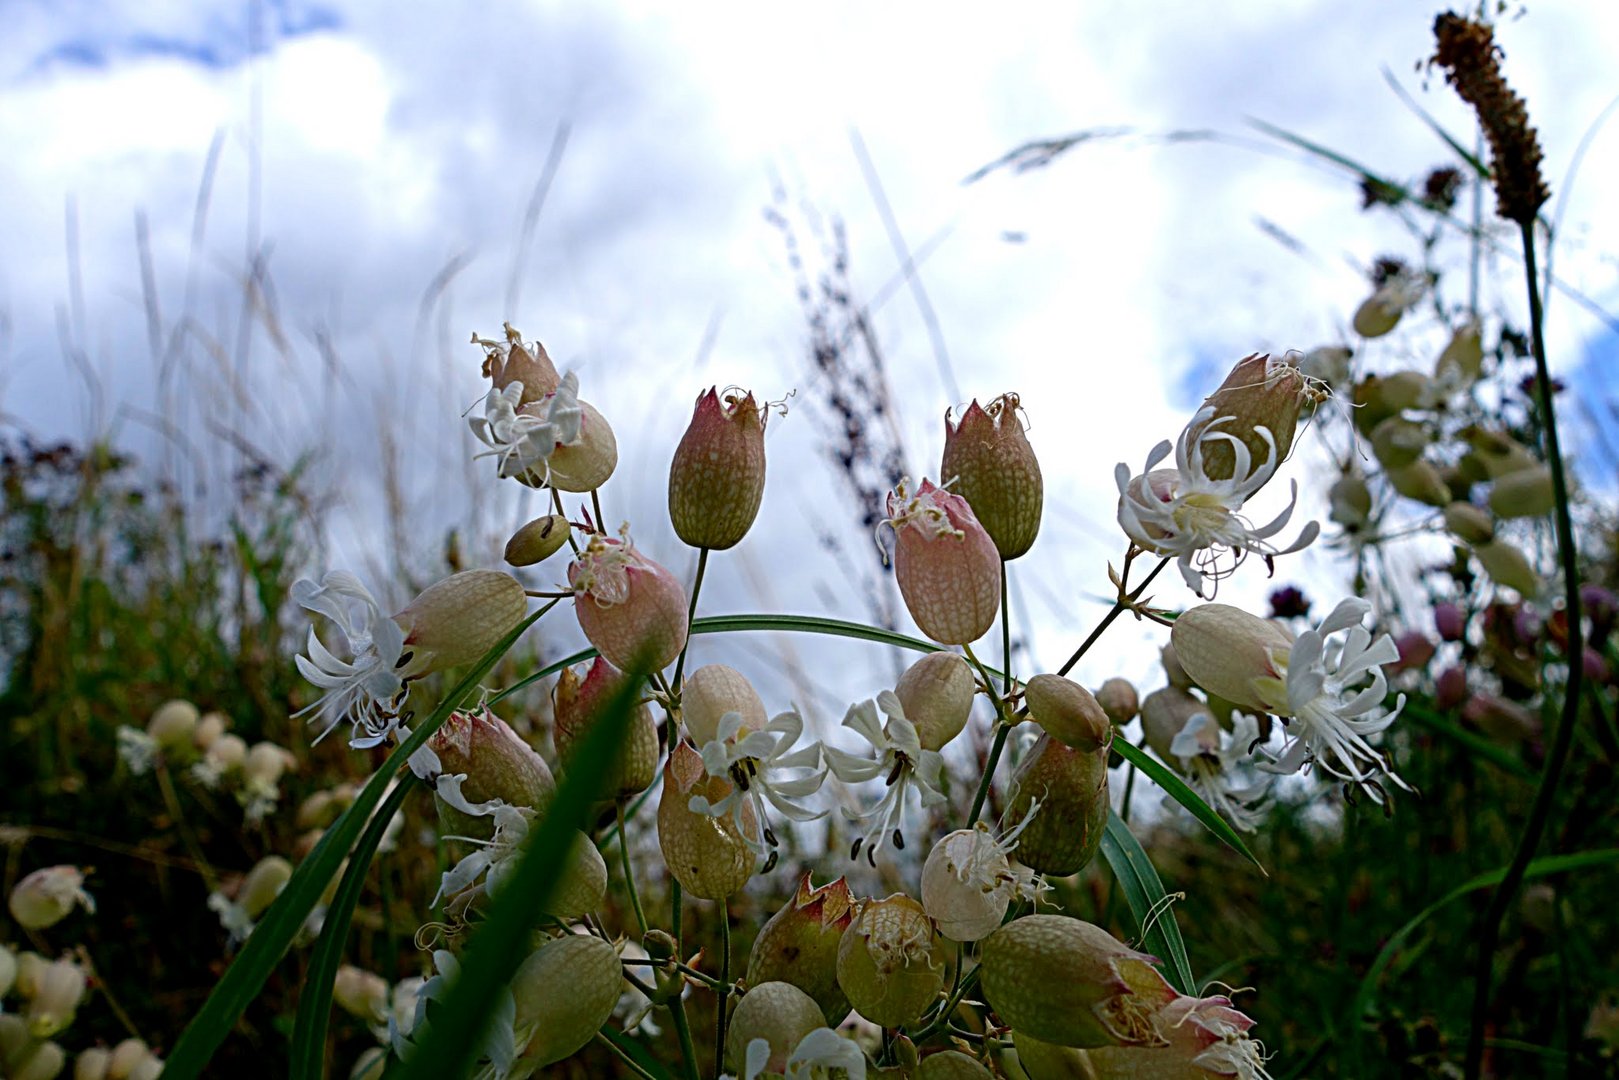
{"x": 136, "y": 749}
{"x": 755, "y": 764}
{"x": 1197, "y": 520}
{"x": 1316, "y": 685}
{"x": 969, "y": 879}
{"x": 898, "y": 757}
{"x": 522, "y": 438}
{"x": 494, "y": 858}
{"x": 1214, "y": 761}
{"x": 499, "y": 1043}
{"x": 368, "y": 689}
{"x": 814, "y": 1058}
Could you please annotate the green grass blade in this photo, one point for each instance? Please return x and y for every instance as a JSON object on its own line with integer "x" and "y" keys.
{"x": 1479, "y": 168}
{"x": 1372, "y": 178}
{"x": 1145, "y": 895}
{"x": 501, "y": 942}
{"x": 1551, "y": 864}
{"x": 315, "y": 1003}
{"x": 1177, "y": 789}
{"x": 271, "y": 938}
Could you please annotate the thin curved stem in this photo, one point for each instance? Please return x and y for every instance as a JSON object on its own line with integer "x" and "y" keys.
{"x": 723, "y": 992}
{"x": 629, "y": 871}
{"x": 1006, "y": 634}
{"x": 1120, "y": 606}
{"x": 691, "y": 613}
{"x": 1551, "y": 775}
{"x": 677, "y": 1007}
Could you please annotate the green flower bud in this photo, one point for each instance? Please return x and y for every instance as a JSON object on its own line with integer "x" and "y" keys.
{"x": 1421, "y": 481}
{"x": 173, "y": 724}
{"x": 952, "y": 1065}
{"x": 1524, "y": 493}
{"x": 1507, "y": 566}
{"x": 1463, "y": 358}
{"x": 1118, "y": 700}
{"x": 989, "y": 462}
{"x": 1068, "y": 712}
{"x": 361, "y": 994}
{"x": 538, "y": 540}
{"x": 1398, "y": 442}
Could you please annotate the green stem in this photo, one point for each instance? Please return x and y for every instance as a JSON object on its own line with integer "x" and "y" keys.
{"x": 629, "y": 872}
{"x": 1006, "y": 634}
{"x": 622, "y": 1055}
{"x": 556, "y": 501}
{"x": 1557, "y": 758}
{"x": 723, "y": 993}
{"x": 1001, "y": 731}
{"x": 942, "y": 1017}
{"x": 1120, "y": 606}
{"x": 691, "y": 613}
{"x": 677, "y": 1007}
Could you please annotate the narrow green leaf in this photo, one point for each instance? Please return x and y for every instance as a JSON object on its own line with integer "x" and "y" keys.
{"x": 501, "y": 943}
{"x": 274, "y": 933}
{"x": 1144, "y": 892}
{"x": 1551, "y": 864}
{"x": 1177, "y": 789}
{"x": 1329, "y": 155}
{"x": 1479, "y": 168}
{"x": 315, "y": 1003}
{"x": 733, "y": 624}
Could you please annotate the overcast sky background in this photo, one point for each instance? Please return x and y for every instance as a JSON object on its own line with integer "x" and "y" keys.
{"x": 1110, "y": 289}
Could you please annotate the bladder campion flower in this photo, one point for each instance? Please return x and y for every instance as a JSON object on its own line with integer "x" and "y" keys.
{"x": 1311, "y": 682}
{"x": 754, "y": 762}
{"x": 631, "y": 608}
{"x": 523, "y": 438}
{"x": 1186, "y": 514}
{"x": 899, "y": 758}
{"x": 947, "y": 567}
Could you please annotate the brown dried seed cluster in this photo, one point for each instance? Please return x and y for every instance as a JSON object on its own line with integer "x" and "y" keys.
{"x": 1472, "y": 62}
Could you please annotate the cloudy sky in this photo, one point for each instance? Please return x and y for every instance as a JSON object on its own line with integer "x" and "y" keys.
{"x": 376, "y": 161}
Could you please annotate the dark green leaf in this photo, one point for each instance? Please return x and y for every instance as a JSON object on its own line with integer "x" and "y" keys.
{"x": 315, "y": 1003}
{"x": 1145, "y": 895}
{"x": 1176, "y": 788}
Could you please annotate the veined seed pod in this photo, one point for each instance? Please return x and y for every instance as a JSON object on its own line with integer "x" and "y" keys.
{"x": 457, "y": 620}
{"x": 587, "y": 464}
{"x": 1462, "y": 360}
{"x": 988, "y": 459}
{"x": 948, "y": 569}
{"x": 1224, "y": 648}
{"x": 209, "y": 729}
{"x": 8, "y": 969}
{"x": 709, "y": 856}
{"x": 1421, "y": 481}
{"x": 1469, "y": 523}
{"x": 39, "y": 1061}
{"x": 1046, "y": 1061}
{"x": 1508, "y": 566}
{"x": 717, "y": 478}
{"x": 1164, "y": 714}
{"x": 579, "y": 704}
{"x": 891, "y": 961}
{"x": 498, "y": 765}
{"x": 712, "y": 691}
{"x": 799, "y": 945}
{"x": 91, "y": 1064}
{"x": 360, "y": 993}
{"x": 565, "y": 992}
{"x": 1351, "y": 502}
{"x": 937, "y": 693}
{"x": 1068, "y": 712}
{"x": 1203, "y": 1038}
{"x": 1067, "y": 982}
{"x": 263, "y": 884}
{"x": 779, "y": 1013}
{"x": 629, "y": 607}
{"x": 127, "y": 1057}
{"x": 1398, "y": 442}
{"x": 1059, "y": 806}
{"x": 1263, "y": 396}
{"x": 969, "y": 881}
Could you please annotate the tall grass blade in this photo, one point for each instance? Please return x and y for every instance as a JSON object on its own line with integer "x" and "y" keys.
{"x": 315, "y": 1003}
{"x": 1177, "y": 789}
{"x": 1144, "y": 892}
